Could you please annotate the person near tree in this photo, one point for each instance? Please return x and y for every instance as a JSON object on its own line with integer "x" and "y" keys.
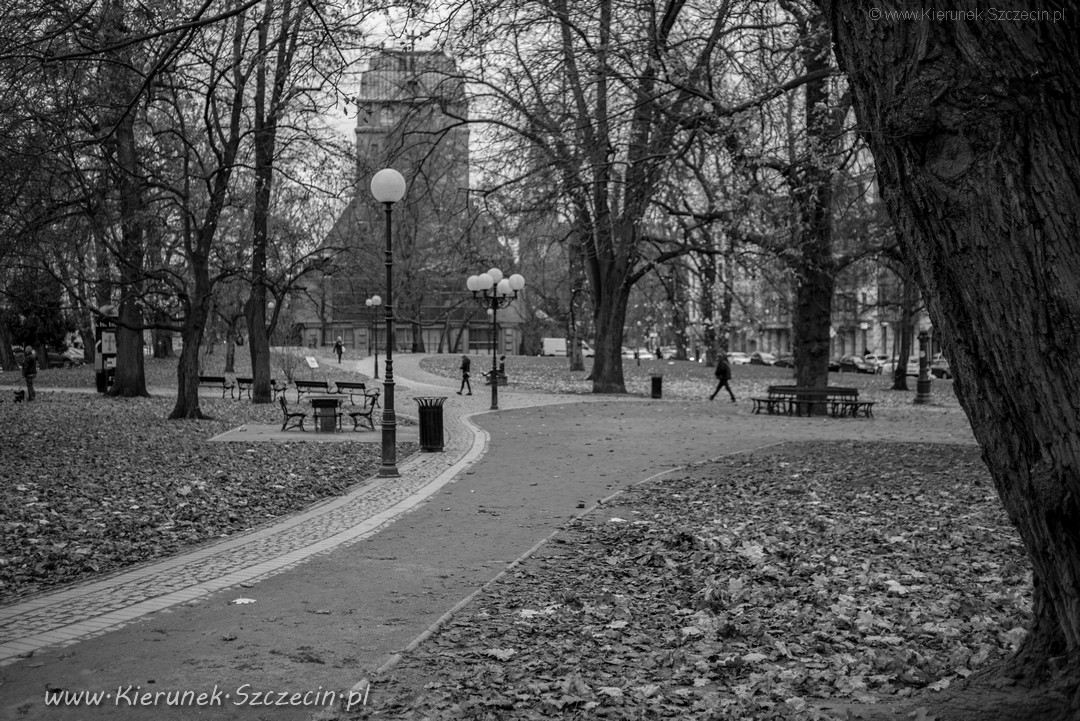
{"x": 723, "y": 375}
{"x": 466, "y": 365}
{"x": 29, "y": 371}
{"x": 339, "y": 348}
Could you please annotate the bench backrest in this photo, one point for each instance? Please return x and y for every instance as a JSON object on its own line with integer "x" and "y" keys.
{"x": 827, "y": 392}
{"x": 312, "y": 384}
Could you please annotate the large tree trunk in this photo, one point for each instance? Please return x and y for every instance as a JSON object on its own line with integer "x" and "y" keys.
{"x": 907, "y": 330}
{"x": 130, "y": 379}
{"x": 609, "y": 315}
{"x": 815, "y": 267}
{"x": 187, "y": 369}
{"x": 974, "y": 129}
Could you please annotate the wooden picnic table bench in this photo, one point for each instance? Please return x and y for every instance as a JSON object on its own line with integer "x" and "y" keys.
{"x": 366, "y": 412}
{"x": 354, "y": 388}
{"x": 836, "y": 401}
{"x": 245, "y": 384}
{"x": 218, "y": 382}
{"x": 303, "y": 387}
{"x": 292, "y": 419}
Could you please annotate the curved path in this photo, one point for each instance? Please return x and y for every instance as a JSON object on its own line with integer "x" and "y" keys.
{"x": 338, "y": 590}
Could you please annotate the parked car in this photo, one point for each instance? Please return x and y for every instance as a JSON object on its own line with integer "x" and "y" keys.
{"x": 62, "y": 359}
{"x": 940, "y": 368}
{"x": 760, "y": 358}
{"x": 738, "y": 358}
{"x": 877, "y": 361}
{"x": 642, "y": 353}
{"x": 854, "y": 364}
{"x": 785, "y": 360}
{"x": 75, "y": 354}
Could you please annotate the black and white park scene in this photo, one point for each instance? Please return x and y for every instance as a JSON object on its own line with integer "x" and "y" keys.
{"x": 540, "y": 359}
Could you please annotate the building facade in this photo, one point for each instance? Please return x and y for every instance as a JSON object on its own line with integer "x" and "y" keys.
{"x": 412, "y": 116}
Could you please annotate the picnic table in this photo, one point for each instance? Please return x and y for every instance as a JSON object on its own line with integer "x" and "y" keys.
{"x": 325, "y": 411}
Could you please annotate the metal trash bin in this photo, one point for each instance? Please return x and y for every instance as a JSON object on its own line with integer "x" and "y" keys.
{"x": 657, "y": 385}
{"x": 431, "y": 422}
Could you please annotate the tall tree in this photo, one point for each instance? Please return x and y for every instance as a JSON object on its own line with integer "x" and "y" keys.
{"x": 974, "y": 123}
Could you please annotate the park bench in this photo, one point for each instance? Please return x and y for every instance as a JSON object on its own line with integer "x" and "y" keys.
{"x": 500, "y": 377}
{"x": 217, "y": 382}
{"x": 371, "y": 401}
{"x": 303, "y": 387}
{"x": 354, "y": 388}
{"x": 292, "y": 419}
{"x": 245, "y": 384}
{"x": 837, "y": 401}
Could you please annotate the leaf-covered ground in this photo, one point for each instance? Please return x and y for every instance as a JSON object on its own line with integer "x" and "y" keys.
{"x": 681, "y": 380}
{"x": 747, "y": 588}
{"x": 90, "y": 484}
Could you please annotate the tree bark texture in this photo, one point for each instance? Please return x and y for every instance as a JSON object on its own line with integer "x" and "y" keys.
{"x": 123, "y": 82}
{"x": 274, "y": 59}
{"x": 815, "y": 267}
{"x": 975, "y": 129}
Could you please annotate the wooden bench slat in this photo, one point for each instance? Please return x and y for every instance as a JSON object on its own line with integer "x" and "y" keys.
{"x": 245, "y": 384}
{"x": 310, "y": 386}
{"x": 218, "y": 382}
{"x": 354, "y": 388}
{"x": 839, "y": 401}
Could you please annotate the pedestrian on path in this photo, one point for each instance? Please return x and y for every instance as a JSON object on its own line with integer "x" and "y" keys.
{"x": 339, "y": 348}
{"x": 723, "y": 375}
{"x": 29, "y": 371}
{"x": 466, "y": 365}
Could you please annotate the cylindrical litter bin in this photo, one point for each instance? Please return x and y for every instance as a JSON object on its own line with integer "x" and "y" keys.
{"x": 657, "y": 385}
{"x": 431, "y": 423}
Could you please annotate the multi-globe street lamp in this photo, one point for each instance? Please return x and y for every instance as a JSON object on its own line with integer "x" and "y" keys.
{"x": 491, "y": 289}
{"x": 388, "y": 187}
{"x": 373, "y": 304}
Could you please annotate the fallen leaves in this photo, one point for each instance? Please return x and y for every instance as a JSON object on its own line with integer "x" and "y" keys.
{"x": 90, "y": 484}
{"x": 750, "y": 588}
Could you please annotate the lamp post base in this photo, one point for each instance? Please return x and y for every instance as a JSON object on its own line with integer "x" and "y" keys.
{"x": 922, "y": 392}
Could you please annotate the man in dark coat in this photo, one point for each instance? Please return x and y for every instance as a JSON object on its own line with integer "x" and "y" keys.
{"x": 723, "y": 375}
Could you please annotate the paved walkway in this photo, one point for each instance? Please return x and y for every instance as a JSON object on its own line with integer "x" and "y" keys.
{"x": 327, "y": 612}
{"x": 67, "y": 616}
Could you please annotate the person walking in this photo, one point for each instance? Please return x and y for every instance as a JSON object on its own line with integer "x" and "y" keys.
{"x": 723, "y": 375}
{"x": 466, "y": 365}
{"x": 29, "y": 371}
{"x": 339, "y": 348}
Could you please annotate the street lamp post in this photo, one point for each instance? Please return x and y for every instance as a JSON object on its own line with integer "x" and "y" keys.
{"x": 372, "y": 303}
{"x": 491, "y": 289}
{"x": 922, "y": 384}
{"x": 388, "y": 187}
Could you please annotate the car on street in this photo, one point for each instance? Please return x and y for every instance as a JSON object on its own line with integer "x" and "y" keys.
{"x": 854, "y": 364}
{"x": 738, "y": 358}
{"x": 940, "y": 367}
{"x": 785, "y": 360}
{"x": 642, "y": 353}
{"x": 877, "y": 361}
{"x": 761, "y": 358}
